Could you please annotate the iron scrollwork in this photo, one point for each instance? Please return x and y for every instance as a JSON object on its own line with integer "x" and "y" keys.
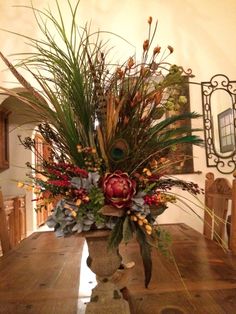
{"x": 220, "y": 83}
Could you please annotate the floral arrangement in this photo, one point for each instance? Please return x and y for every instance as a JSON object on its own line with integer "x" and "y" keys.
{"x": 108, "y": 133}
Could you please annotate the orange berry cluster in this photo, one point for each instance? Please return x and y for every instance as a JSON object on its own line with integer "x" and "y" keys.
{"x": 91, "y": 161}
{"x": 141, "y": 221}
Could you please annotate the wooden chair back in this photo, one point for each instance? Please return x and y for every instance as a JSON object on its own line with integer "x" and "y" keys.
{"x": 4, "y": 234}
{"x": 219, "y": 194}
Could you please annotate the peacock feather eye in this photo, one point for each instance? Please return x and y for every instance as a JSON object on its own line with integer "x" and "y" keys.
{"x": 119, "y": 150}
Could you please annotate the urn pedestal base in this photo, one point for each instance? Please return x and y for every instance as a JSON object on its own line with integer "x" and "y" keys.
{"x": 106, "y": 297}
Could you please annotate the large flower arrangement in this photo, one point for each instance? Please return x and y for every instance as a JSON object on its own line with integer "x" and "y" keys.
{"x": 108, "y": 133}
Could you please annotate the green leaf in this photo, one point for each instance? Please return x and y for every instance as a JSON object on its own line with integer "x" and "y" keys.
{"x": 127, "y": 230}
{"x": 145, "y": 250}
{"x": 116, "y": 234}
{"x": 149, "y": 187}
{"x": 158, "y": 210}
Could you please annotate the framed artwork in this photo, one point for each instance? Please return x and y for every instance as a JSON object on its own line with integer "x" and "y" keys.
{"x": 182, "y": 155}
{"x": 179, "y": 158}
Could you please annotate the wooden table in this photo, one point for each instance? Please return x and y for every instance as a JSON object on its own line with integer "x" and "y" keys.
{"x": 41, "y": 276}
{"x": 206, "y": 271}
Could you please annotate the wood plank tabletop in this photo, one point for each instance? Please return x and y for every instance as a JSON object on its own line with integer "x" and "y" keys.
{"x": 41, "y": 276}
{"x": 200, "y": 279}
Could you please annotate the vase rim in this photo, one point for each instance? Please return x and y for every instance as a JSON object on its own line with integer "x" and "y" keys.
{"x": 95, "y": 233}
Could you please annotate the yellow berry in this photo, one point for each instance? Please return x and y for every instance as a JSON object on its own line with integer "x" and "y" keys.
{"x": 148, "y": 227}
{"x": 149, "y": 232}
{"x": 79, "y": 148}
{"x": 140, "y": 216}
{"x": 73, "y": 213}
{"x": 147, "y": 171}
{"x": 145, "y": 221}
{"x": 140, "y": 222}
{"x": 78, "y": 202}
{"x": 134, "y": 218}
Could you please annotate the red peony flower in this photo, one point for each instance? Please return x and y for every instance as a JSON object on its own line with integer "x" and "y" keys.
{"x": 118, "y": 188}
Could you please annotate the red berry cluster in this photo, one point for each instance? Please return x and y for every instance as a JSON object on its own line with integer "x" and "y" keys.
{"x": 153, "y": 199}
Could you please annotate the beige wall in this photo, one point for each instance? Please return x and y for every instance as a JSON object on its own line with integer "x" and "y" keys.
{"x": 202, "y": 33}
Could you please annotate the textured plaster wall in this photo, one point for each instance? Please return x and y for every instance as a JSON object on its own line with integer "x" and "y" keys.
{"x": 202, "y": 33}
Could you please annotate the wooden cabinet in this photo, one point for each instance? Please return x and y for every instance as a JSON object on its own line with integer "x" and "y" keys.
{"x": 43, "y": 214}
{"x": 22, "y": 217}
{"x": 4, "y": 139}
{"x": 15, "y": 211}
{"x": 10, "y": 220}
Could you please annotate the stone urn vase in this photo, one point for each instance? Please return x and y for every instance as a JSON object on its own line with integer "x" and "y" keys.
{"x": 106, "y": 297}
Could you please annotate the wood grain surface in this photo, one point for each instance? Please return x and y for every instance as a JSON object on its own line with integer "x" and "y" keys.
{"x": 41, "y": 276}
{"x": 200, "y": 279}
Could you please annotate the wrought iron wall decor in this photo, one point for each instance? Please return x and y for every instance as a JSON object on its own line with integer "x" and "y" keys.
{"x": 219, "y": 115}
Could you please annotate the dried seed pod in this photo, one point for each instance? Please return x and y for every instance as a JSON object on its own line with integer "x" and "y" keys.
{"x": 171, "y": 49}
{"x": 130, "y": 63}
{"x": 145, "y": 45}
{"x": 150, "y": 20}
{"x": 156, "y": 50}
